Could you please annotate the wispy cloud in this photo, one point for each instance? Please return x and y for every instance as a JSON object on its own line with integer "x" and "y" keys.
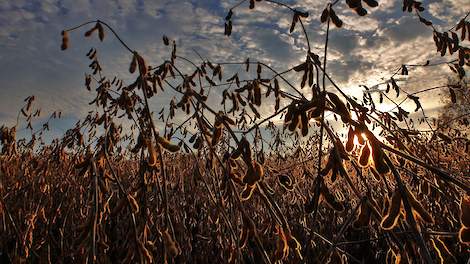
{"x": 364, "y": 51}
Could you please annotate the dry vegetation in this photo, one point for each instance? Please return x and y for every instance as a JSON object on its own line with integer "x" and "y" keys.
{"x": 215, "y": 189}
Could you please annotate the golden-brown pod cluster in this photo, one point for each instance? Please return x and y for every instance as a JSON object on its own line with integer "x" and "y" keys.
{"x": 330, "y": 199}
{"x": 339, "y": 107}
{"x": 166, "y": 144}
{"x": 322, "y": 193}
{"x": 299, "y": 113}
{"x": 352, "y": 135}
{"x": 390, "y": 220}
{"x": 254, "y": 171}
{"x": 334, "y": 163}
{"x": 220, "y": 119}
{"x": 297, "y": 119}
{"x": 464, "y": 233}
{"x": 153, "y": 155}
{"x": 418, "y": 210}
{"x": 284, "y": 242}
{"x": 234, "y": 173}
{"x": 371, "y": 151}
{"x": 254, "y": 174}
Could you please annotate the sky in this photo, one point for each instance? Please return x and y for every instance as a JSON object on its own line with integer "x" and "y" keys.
{"x": 364, "y": 51}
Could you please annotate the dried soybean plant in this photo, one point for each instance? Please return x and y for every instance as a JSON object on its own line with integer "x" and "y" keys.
{"x": 227, "y": 184}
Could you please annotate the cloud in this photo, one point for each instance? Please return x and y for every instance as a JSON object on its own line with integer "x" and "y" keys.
{"x": 448, "y": 12}
{"x": 365, "y": 50}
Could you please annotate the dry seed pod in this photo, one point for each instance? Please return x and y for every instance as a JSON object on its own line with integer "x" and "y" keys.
{"x": 371, "y": 3}
{"x": 250, "y": 177}
{"x": 247, "y": 192}
{"x": 258, "y": 170}
{"x": 377, "y": 156}
{"x": 252, "y": 4}
{"x": 142, "y": 65}
{"x": 304, "y": 123}
{"x": 360, "y": 138}
{"x": 198, "y": 143}
{"x": 375, "y": 174}
{"x": 133, "y": 65}
{"x": 419, "y": 209}
{"x": 243, "y": 236}
{"x": 100, "y": 31}
{"x": 229, "y": 120}
{"x": 171, "y": 245}
{"x": 361, "y": 11}
{"x": 465, "y": 210}
{"x": 253, "y": 174}
{"x": 295, "y": 121}
{"x": 464, "y": 235}
{"x": 286, "y": 182}
{"x": 364, "y": 156}
{"x": 166, "y": 41}
{"x": 340, "y": 107}
{"x": 89, "y": 32}
{"x": 330, "y": 199}
{"x": 424, "y": 188}
{"x": 236, "y": 154}
{"x": 324, "y": 15}
{"x": 167, "y": 145}
{"x": 148, "y": 257}
{"x": 216, "y": 135}
{"x": 294, "y": 243}
{"x": 350, "y": 143}
{"x": 363, "y": 217}
{"x": 336, "y": 20}
{"x": 391, "y": 219}
{"x": 312, "y": 205}
{"x": 65, "y": 40}
{"x": 134, "y": 204}
{"x": 153, "y": 157}
{"x": 257, "y": 94}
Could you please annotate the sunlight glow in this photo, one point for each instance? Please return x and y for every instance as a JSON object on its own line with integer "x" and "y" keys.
{"x": 357, "y": 144}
